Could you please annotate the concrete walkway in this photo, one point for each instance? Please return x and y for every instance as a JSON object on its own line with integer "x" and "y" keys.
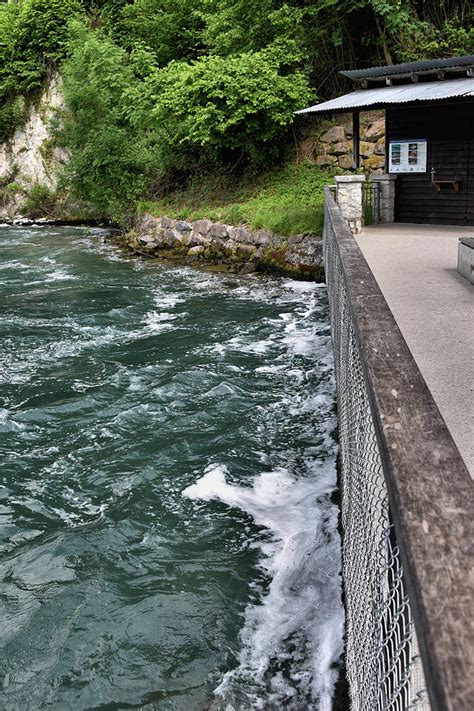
{"x": 415, "y": 267}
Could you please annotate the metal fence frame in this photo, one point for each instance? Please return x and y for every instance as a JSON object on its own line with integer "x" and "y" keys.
{"x": 417, "y": 557}
{"x": 371, "y": 202}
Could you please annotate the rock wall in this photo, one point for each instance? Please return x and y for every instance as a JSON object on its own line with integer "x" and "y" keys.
{"x": 30, "y": 158}
{"x": 238, "y": 248}
{"x": 333, "y": 146}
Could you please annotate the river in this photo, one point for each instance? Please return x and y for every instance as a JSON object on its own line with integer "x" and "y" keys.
{"x": 168, "y": 532}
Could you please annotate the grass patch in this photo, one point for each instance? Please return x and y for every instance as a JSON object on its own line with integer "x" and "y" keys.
{"x": 287, "y": 201}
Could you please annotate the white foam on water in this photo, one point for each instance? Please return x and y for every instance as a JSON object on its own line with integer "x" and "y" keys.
{"x": 271, "y": 369}
{"x": 61, "y": 275}
{"x": 242, "y": 344}
{"x": 13, "y": 264}
{"x": 9, "y": 425}
{"x": 167, "y": 300}
{"x": 292, "y": 639}
{"x": 159, "y": 322}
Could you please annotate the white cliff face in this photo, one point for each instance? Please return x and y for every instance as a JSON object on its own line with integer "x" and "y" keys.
{"x": 29, "y": 158}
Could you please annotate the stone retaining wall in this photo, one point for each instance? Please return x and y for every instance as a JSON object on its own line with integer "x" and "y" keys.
{"x": 333, "y": 147}
{"x": 238, "y": 248}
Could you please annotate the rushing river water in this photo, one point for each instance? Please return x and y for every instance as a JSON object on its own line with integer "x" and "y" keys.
{"x": 168, "y": 537}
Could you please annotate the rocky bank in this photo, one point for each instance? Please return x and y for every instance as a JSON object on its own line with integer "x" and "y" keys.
{"x": 235, "y": 248}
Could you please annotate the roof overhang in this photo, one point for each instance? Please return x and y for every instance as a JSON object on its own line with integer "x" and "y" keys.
{"x": 422, "y": 68}
{"x": 386, "y": 96}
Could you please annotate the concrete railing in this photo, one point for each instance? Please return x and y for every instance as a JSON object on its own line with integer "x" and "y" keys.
{"x": 407, "y": 506}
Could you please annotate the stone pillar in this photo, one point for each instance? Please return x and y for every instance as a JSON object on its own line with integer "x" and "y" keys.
{"x": 387, "y": 196}
{"x": 349, "y": 199}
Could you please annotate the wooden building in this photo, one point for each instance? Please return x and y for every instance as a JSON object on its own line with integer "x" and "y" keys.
{"x": 429, "y": 108}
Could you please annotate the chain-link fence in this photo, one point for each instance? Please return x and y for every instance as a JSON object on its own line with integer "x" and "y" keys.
{"x": 383, "y": 663}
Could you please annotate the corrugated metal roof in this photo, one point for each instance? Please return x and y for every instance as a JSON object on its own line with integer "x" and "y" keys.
{"x": 388, "y": 95}
{"x": 424, "y": 65}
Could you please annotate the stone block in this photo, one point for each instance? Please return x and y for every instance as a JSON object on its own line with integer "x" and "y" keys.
{"x": 184, "y": 238}
{"x": 261, "y": 237}
{"x": 170, "y": 238}
{"x": 375, "y": 130}
{"x": 202, "y": 240}
{"x": 325, "y": 160}
{"x": 334, "y": 135}
{"x": 196, "y": 251}
{"x": 218, "y": 231}
{"x": 387, "y": 196}
{"x": 183, "y": 226}
{"x": 147, "y": 223}
{"x": 276, "y": 240}
{"x": 145, "y": 241}
{"x": 366, "y": 149}
{"x": 466, "y": 258}
{"x": 295, "y": 239}
{"x": 345, "y": 162}
{"x": 166, "y": 222}
{"x": 380, "y": 147}
{"x": 216, "y": 245}
{"x": 374, "y": 162}
{"x": 202, "y": 226}
{"x": 159, "y": 234}
{"x": 339, "y": 149}
{"x": 349, "y": 199}
{"x": 245, "y": 249}
{"x": 240, "y": 234}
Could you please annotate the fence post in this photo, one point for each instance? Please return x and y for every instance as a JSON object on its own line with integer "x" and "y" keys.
{"x": 387, "y": 196}
{"x": 349, "y": 199}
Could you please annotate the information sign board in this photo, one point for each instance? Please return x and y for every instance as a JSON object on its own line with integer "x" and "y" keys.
{"x": 407, "y": 156}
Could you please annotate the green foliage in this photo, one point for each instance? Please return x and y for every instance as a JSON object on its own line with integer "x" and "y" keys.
{"x": 12, "y": 113}
{"x": 171, "y": 29}
{"x": 129, "y": 123}
{"x": 239, "y": 105}
{"x": 110, "y": 162}
{"x": 287, "y": 201}
{"x": 251, "y": 25}
{"x": 33, "y": 38}
{"x": 40, "y": 201}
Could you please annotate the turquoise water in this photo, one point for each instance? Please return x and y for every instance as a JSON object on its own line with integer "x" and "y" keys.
{"x": 167, "y": 535}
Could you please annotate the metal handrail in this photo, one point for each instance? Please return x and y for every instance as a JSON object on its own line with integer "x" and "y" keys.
{"x": 430, "y": 492}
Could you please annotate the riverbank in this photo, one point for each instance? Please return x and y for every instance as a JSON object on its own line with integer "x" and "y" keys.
{"x": 231, "y": 248}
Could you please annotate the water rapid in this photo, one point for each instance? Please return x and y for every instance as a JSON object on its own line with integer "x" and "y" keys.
{"x": 168, "y": 537}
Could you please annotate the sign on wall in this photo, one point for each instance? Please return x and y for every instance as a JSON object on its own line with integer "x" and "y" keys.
{"x": 407, "y": 156}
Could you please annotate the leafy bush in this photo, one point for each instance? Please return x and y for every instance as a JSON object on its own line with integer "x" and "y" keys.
{"x": 231, "y": 106}
{"x": 40, "y": 201}
{"x": 110, "y": 163}
{"x": 170, "y": 29}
